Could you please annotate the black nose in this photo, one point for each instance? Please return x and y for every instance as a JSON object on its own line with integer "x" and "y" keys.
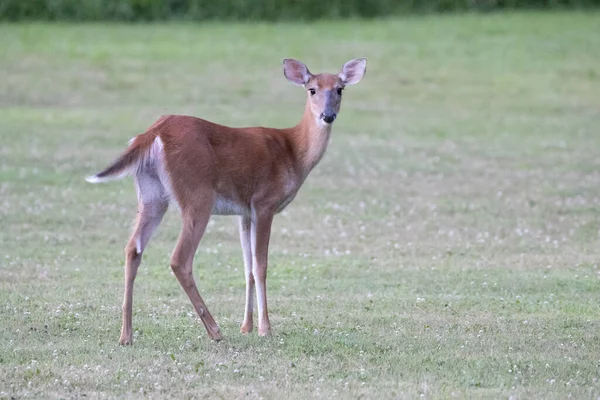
{"x": 328, "y": 118}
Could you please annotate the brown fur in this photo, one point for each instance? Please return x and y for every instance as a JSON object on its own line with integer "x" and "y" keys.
{"x": 210, "y": 168}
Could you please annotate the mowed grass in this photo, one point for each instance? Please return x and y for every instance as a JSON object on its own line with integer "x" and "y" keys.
{"x": 447, "y": 245}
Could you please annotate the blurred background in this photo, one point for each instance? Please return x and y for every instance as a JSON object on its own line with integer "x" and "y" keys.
{"x": 446, "y": 246}
{"x": 256, "y": 10}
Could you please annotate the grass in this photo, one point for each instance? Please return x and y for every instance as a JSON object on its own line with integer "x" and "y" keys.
{"x": 446, "y": 246}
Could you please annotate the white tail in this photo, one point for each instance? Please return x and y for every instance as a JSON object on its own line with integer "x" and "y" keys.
{"x": 208, "y": 168}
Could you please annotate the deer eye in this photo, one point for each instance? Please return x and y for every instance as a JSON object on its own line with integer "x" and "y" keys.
{"x": 312, "y": 92}
{"x": 339, "y": 91}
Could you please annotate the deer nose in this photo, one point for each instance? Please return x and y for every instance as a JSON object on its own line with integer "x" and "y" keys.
{"x": 328, "y": 118}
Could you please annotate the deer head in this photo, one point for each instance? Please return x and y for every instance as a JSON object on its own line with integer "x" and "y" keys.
{"x": 324, "y": 91}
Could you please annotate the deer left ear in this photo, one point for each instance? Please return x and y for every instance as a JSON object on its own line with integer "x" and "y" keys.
{"x": 353, "y": 71}
{"x": 296, "y": 72}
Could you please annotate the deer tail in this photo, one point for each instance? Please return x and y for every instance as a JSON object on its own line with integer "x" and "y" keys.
{"x": 129, "y": 162}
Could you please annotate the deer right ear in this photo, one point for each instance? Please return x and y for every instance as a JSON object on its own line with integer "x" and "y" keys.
{"x": 353, "y": 71}
{"x": 296, "y": 72}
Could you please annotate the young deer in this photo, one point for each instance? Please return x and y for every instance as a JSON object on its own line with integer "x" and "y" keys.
{"x": 208, "y": 168}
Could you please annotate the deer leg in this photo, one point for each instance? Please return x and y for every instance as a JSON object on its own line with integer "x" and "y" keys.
{"x": 194, "y": 224}
{"x": 245, "y": 227}
{"x": 149, "y": 217}
{"x": 260, "y": 235}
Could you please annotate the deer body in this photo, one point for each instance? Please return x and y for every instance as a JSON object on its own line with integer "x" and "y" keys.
{"x": 210, "y": 169}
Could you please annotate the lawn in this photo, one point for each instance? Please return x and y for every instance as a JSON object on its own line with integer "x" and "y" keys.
{"x": 447, "y": 245}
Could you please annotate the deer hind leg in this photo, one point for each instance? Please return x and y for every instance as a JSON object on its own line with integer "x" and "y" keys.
{"x": 245, "y": 230}
{"x": 152, "y": 206}
{"x": 194, "y": 224}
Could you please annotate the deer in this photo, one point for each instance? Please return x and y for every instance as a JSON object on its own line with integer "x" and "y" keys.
{"x": 211, "y": 169}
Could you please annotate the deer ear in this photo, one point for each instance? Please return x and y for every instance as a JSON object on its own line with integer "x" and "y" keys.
{"x": 353, "y": 71}
{"x": 296, "y": 72}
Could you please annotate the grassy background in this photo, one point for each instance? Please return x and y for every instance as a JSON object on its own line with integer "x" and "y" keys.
{"x": 447, "y": 245}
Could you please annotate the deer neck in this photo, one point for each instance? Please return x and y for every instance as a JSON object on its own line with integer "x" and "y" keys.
{"x": 310, "y": 138}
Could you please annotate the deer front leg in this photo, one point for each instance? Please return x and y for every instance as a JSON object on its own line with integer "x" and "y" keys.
{"x": 260, "y": 235}
{"x": 245, "y": 228}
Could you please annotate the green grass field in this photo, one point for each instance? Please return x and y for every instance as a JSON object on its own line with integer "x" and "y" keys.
{"x": 446, "y": 247}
